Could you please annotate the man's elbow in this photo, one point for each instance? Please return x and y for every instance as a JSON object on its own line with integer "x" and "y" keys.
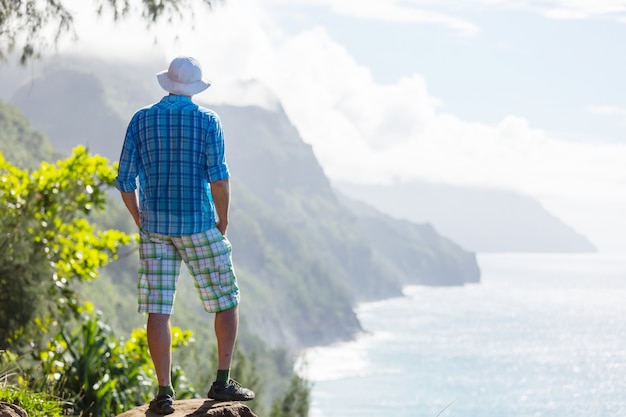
{"x": 221, "y": 183}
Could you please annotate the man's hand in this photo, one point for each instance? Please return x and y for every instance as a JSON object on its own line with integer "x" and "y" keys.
{"x": 132, "y": 204}
{"x": 220, "y": 191}
{"x": 221, "y": 226}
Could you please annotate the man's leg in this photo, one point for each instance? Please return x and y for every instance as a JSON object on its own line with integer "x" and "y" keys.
{"x": 158, "y": 276}
{"x": 226, "y": 326}
{"x": 160, "y": 345}
{"x": 224, "y": 388}
{"x": 216, "y": 283}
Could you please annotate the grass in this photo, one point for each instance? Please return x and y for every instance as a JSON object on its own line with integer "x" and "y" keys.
{"x": 36, "y": 404}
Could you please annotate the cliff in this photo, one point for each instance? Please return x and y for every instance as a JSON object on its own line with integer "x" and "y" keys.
{"x": 304, "y": 258}
{"x": 196, "y": 408}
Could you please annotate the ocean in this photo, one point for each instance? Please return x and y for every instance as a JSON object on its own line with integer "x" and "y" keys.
{"x": 541, "y": 335}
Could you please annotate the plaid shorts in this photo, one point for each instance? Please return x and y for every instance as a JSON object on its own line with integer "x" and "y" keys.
{"x": 208, "y": 258}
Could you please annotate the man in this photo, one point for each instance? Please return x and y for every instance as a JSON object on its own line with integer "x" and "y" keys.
{"x": 175, "y": 149}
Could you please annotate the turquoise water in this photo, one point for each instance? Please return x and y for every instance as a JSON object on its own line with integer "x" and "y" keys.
{"x": 541, "y": 335}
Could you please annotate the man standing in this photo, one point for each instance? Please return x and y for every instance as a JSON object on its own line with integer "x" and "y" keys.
{"x": 175, "y": 149}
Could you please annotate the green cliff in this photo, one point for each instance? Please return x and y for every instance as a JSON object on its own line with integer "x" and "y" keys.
{"x": 304, "y": 257}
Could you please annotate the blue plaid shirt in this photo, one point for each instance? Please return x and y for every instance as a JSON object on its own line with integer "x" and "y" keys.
{"x": 175, "y": 148}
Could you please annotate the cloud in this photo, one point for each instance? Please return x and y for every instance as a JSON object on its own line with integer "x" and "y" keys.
{"x": 607, "y": 110}
{"x": 245, "y": 93}
{"x": 363, "y": 131}
{"x": 100, "y": 36}
{"x": 392, "y": 11}
{"x": 368, "y": 132}
{"x": 402, "y": 12}
{"x": 448, "y": 12}
{"x": 612, "y": 113}
{"x": 564, "y": 9}
{"x": 592, "y": 7}
{"x": 553, "y": 8}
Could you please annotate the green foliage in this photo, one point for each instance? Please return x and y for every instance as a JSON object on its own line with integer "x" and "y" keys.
{"x": 101, "y": 375}
{"x": 50, "y": 248}
{"x": 295, "y": 402}
{"x": 47, "y": 242}
{"x": 36, "y": 404}
{"x": 34, "y": 25}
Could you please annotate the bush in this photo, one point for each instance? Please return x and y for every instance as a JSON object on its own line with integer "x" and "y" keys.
{"x": 100, "y": 375}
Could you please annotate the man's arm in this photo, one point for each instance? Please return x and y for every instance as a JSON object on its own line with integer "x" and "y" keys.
{"x": 220, "y": 191}
{"x": 132, "y": 204}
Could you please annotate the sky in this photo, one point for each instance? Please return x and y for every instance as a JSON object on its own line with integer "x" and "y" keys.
{"x": 522, "y": 95}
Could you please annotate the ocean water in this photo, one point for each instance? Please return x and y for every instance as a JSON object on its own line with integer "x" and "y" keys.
{"x": 541, "y": 335}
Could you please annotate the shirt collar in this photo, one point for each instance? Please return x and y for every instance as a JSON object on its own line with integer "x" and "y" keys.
{"x": 174, "y": 99}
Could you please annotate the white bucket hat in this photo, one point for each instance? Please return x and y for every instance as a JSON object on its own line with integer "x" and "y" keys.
{"x": 183, "y": 77}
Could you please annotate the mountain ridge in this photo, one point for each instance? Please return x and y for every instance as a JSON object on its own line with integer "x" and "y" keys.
{"x": 304, "y": 259}
{"x": 478, "y": 219}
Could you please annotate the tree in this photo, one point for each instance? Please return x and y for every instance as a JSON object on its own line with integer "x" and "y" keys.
{"x": 49, "y": 248}
{"x": 296, "y": 401}
{"x": 28, "y": 25}
{"x": 48, "y": 244}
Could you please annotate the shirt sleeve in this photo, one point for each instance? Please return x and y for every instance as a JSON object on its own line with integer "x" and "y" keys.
{"x": 217, "y": 168}
{"x": 126, "y": 180}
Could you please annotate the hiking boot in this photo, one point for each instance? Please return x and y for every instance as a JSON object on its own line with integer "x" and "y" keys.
{"x": 231, "y": 391}
{"x": 162, "y": 404}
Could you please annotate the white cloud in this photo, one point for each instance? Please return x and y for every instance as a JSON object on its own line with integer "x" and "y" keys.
{"x": 607, "y": 110}
{"x": 245, "y": 93}
{"x": 99, "y": 36}
{"x": 402, "y": 12}
{"x": 564, "y": 9}
{"x": 446, "y": 12}
{"x": 593, "y": 7}
{"x": 556, "y": 8}
{"x": 394, "y": 11}
{"x": 363, "y": 131}
{"x": 565, "y": 13}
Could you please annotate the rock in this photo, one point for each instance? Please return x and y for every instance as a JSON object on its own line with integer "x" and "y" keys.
{"x": 196, "y": 408}
{"x": 12, "y": 410}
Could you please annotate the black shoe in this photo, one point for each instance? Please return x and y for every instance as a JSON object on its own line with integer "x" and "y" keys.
{"x": 231, "y": 391}
{"x": 162, "y": 404}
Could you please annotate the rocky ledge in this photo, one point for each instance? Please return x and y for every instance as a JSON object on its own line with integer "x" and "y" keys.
{"x": 196, "y": 408}
{"x": 11, "y": 410}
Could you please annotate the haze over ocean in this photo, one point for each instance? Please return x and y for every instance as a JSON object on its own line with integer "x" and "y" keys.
{"x": 542, "y": 335}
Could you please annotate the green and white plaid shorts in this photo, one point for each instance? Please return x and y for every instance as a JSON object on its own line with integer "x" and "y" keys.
{"x": 208, "y": 258}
